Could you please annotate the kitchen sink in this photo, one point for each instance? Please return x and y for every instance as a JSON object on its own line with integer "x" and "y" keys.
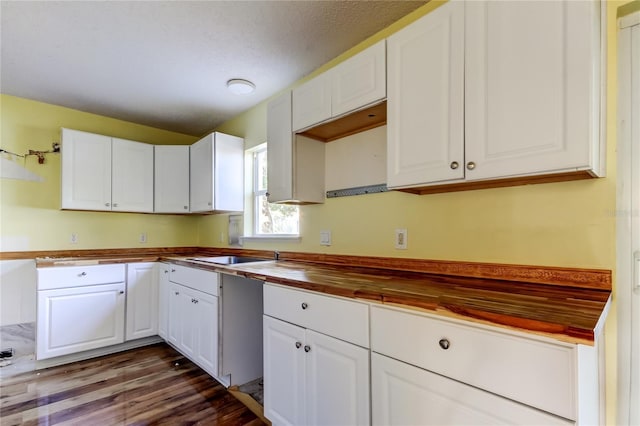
{"x": 228, "y": 260}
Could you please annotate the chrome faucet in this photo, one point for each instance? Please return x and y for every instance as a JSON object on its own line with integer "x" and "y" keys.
{"x": 276, "y": 255}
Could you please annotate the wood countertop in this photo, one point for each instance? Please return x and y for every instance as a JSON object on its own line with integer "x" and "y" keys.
{"x": 556, "y": 309}
{"x": 574, "y": 315}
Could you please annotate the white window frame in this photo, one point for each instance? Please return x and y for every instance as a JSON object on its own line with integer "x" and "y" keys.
{"x": 252, "y": 193}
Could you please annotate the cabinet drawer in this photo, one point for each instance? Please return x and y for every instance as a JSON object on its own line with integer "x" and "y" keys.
{"x": 198, "y": 279}
{"x": 536, "y": 373}
{"x": 337, "y": 317}
{"x": 76, "y": 276}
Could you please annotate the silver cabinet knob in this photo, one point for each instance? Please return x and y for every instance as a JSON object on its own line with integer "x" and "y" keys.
{"x": 267, "y": 194}
{"x": 471, "y": 165}
{"x": 82, "y": 274}
{"x": 454, "y": 165}
{"x": 304, "y": 305}
{"x": 106, "y": 204}
{"x": 185, "y": 207}
{"x": 307, "y": 348}
{"x": 173, "y": 270}
{"x": 444, "y": 344}
{"x": 298, "y": 344}
{"x": 209, "y": 203}
{"x": 166, "y": 271}
{"x": 115, "y": 204}
{"x": 121, "y": 292}
{"x": 177, "y": 293}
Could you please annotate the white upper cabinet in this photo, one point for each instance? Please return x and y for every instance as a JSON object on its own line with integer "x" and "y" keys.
{"x": 494, "y": 90}
{"x": 217, "y": 173}
{"x": 532, "y": 87}
{"x": 312, "y": 101}
{"x": 104, "y": 173}
{"x": 132, "y": 176}
{"x": 295, "y": 169}
{"x": 425, "y": 102}
{"x": 171, "y": 178}
{"x": 350, "y": 85}
{"x": 360, "y": 80}
{"x": 86, "y": 171}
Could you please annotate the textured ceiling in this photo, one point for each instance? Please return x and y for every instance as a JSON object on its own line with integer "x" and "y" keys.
{"x": 166, "y": 63}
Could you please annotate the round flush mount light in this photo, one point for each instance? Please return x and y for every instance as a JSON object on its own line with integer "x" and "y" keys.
{"x": 240, "y": 86}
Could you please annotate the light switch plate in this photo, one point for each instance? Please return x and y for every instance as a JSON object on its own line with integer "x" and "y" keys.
{"x": 325, "y": 238}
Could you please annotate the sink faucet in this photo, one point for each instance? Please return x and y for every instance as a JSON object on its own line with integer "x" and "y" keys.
{"x": 276, "y": 255}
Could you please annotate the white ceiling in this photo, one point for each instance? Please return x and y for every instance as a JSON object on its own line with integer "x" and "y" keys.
{"x": 166, "y": 63}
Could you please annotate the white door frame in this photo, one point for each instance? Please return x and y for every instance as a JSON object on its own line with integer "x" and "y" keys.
{"x": 628, "y": 220}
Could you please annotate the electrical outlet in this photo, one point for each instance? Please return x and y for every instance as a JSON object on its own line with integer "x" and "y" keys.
{"x": 401, "y": 239}
{"x": 74, "y": 238}
{"x": 143, "y": 237}
{"x": 325, "y": 238}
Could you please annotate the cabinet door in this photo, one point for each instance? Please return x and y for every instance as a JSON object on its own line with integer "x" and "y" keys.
{"x": 402, "y": 394}
{"x": 205, "y": 312}
{"x": 77, "y": 319}
{"x": 163, "y": 301}
{"x": 142, "y": 300}
{"x": 132, "y": 176}
{"x": 86, "y": 171}
{"x": 337, "y": 389}
{"x": 201, "y": 175}
{"x": 360, "y": 80}
{"x": 179, "y": 303}
{"x": 189, "y": 326}
{"x": 425, "y": 100}
{"x": 532, "y": 89}
{"x": 312, "y": 102}
{"x": 280, "y": 149}
{"x": 171, "y": 179}
{"x": 284, "y": 372}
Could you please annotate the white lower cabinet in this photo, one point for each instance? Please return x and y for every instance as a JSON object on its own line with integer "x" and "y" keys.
{"x": 403, "y": 394}
{"x": 428, "y": 370}
{"x": 142, "y": 300}
{"x": 79, "y": 308}
{"x": 193, "y": 325}
{"x": 311, "y": 377}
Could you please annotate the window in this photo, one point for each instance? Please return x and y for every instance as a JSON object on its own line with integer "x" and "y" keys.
{"x": 268, "y": 218}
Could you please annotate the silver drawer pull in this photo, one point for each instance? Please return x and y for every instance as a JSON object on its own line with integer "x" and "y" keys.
{"x": 177, "y": 293}
{"x": 444, "y": 344}
{"x": 304, "y": 305}
{"x": 82, "y": 274}
{"x": 307, "y": 348}
{"x": 298, "y": 344}
{"x": 121, "y": 292}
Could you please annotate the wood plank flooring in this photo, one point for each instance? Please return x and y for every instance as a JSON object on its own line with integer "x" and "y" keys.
{"x": 145, "y": 386}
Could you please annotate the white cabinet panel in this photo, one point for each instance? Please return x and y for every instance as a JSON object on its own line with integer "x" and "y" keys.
{"x": 337, "y": 381}
{"x": 406, "y": 395}
{"x": 171, "y": 179}
{"x": 360, "y": 80}
{"x": 532, "y": 87}
{"x": 131, "y": 176}
{"x": 71, "y": 320}
{"x": 312, "y": 102}
{"x": 86, "y": 171}
{"x": 425, "y": 103}
{"x": 142, "y": 300}
{"x": 284, "y": 372}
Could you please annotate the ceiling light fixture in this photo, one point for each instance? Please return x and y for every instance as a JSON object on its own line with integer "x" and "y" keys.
{"x": 239, "y": 86}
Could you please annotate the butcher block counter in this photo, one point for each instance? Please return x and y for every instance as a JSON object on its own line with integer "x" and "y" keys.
{"x": 570, "y": 307}
{"x": 574, "y": 315}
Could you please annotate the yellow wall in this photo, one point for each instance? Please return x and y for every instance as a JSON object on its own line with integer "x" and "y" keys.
{"x": 30, "y": 218}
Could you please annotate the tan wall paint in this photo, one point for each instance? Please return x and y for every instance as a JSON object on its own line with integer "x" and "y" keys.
{"x": 30, "y": 218}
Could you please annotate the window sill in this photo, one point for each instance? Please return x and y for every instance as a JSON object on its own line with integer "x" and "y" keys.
{"x": 266, "y": 238}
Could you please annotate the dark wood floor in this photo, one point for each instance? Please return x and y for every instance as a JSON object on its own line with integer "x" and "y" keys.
{"x": 150, "y": 385}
